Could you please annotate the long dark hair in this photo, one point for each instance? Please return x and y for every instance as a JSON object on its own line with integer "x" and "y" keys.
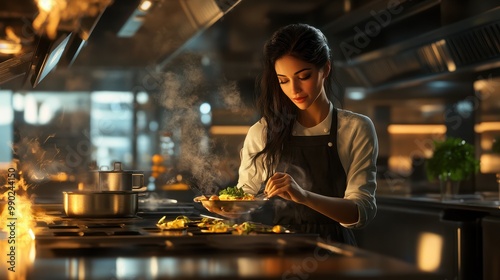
{"x": 304, "y": 42}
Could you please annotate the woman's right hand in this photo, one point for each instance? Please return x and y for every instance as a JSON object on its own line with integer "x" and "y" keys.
{"x": 284, "y": 186}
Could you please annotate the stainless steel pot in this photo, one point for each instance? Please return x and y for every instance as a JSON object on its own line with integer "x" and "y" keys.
{"x": 117, "y": 179}
{"x": 112, "y": 204}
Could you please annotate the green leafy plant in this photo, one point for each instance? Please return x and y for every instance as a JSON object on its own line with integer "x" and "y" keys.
{"x": 453, "y": 159}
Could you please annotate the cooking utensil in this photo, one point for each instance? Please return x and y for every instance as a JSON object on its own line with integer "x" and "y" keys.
{"x": 85, "y": 204}
{"x": 117, "y": 179}
{"x": 260, "y": 196}
{"x": 231, "y": 208}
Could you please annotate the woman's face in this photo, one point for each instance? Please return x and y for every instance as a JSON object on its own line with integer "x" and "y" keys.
{"x": 301, "y": 81}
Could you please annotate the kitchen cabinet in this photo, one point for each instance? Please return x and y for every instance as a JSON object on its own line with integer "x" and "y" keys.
{"x": 457, "y": 238}
{"x": 491, "y": 247}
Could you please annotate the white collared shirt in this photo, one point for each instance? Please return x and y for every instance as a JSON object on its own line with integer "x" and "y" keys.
{"x": 357, "y": 147}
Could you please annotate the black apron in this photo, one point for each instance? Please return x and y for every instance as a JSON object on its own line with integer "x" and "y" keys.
{"x": 314, "y": 163}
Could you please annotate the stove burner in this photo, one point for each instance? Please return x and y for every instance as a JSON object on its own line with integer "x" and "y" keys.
{"x": 153, "y": 229}
{"x": 94, "y": 226}
{"x": 127, "y": 232}
{"x": 95, "y": 233}
{"x": 62, "y": 227}
{"x": 68, "y": 233}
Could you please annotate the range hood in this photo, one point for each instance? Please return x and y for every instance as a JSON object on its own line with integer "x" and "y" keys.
{"x": 424, "y": 41}
{"x": 42, "y": 53}
{"x": 149, "y": 39}
{"x": 123, "y": 37}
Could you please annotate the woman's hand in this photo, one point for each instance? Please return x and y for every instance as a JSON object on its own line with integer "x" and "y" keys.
{"x": 284, "y": 186}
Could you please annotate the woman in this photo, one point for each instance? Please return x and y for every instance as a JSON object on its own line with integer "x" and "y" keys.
{"x": 317, "y": 160}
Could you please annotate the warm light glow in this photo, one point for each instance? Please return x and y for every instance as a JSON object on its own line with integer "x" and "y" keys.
{"x": 440, "y": 50}
{"x": 400, "y": 164}
{"x": 145, "y": 5}
{"x": 229, "y": 129}
{"x": 490, "y": 163}
{"x": 431, "y": 108}
{"x": 31, "y": 234}
{"x": 46, "y": 5}
{"x": 416, "y": 129}
{"x": 18, "y": 222}
{"x": 53, "y": 12}
{"x": 429, "y": 250}
{"x": 9, "y": 47}
{"x": 487, "y": 126}
{"x": 49, "y": 17}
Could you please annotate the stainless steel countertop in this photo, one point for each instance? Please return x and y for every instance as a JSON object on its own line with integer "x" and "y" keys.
{"x": 487, "y": 202}
{"x": 214, "y": 256}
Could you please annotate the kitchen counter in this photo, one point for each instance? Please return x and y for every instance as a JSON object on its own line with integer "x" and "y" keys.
{"x": 134, "y": 248}
{"x": 481, "y": 202}
{"x": 461, "y": 233}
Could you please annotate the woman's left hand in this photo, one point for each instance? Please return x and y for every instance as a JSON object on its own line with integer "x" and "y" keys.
{"x": 284, "y": 186}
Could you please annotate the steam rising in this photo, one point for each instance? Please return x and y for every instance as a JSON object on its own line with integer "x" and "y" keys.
{"x": 231, "y": 97}
{"x": 36, "y": 163}
{"x": 181, "y": 98}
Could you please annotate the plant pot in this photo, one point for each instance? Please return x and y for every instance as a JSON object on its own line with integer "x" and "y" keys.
{"x": 448, "y": 188}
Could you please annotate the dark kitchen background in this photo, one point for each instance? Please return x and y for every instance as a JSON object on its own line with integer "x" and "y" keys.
{"x": 127, "y": 83}
{"x": 166, "y": 87}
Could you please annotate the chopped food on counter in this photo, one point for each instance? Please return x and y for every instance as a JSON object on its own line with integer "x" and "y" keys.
{"x": 278, "y": 229}
{"x": 218, "y": 227}
{"x": 211, "y": 225}
{"x": 206, "y": 222}
{"x": 179, "y": 223}
{"x": 243, "y": 228}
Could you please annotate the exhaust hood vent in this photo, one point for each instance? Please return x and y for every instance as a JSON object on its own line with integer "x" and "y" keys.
{"x": 15, "y": 67}
{"x": 197, "y": 16}
{"x": 480, "y": 44}
{"x": 467, "y": 46}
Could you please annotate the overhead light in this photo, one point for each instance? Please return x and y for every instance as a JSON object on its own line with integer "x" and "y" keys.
{"x": 229, "y": 129}
{"x": 487, "y": 126}
{"x": 135, "y": 21}
{"x": 355, "y": 93}
{"x": 429, "y": 109}
{"x": 9, "y": 47}
{"x": 434, "y": 129}
{"x": 145, "y": 5}
{"x": 440, "y": 84}
{"x": 11, "y": 44}
{"x": 205, "y": 108}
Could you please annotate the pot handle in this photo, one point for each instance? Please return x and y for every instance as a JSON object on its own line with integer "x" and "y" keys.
{"x": 137, "y": 181}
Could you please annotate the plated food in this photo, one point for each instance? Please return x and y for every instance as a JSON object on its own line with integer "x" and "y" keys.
{"x": 231, "y": 202}
{"x": 232, "y": 193}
